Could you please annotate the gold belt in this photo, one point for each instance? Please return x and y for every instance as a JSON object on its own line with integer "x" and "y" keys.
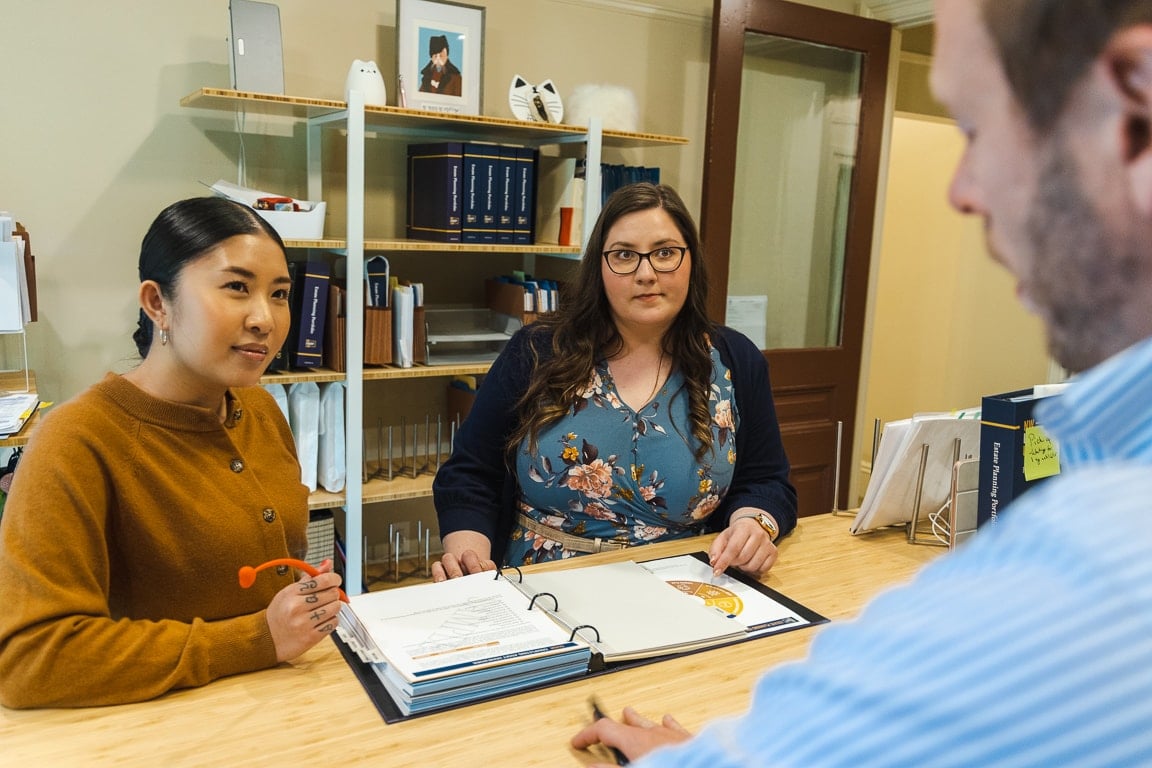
{"x": 569, "y": 541}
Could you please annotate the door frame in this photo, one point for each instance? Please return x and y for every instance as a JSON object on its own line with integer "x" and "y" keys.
{"x": 872, "y": 38}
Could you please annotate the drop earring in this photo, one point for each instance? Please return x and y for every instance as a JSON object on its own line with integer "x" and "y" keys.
{"x": 163, "y": 337}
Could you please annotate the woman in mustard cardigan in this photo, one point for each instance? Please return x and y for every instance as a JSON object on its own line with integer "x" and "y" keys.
{"x": 137, "y": 502}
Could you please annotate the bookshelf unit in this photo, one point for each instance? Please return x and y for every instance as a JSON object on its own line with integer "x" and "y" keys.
{"x": 358, "y": 121}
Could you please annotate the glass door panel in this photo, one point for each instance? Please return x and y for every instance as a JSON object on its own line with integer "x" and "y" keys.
{"x": 796, "y": 153}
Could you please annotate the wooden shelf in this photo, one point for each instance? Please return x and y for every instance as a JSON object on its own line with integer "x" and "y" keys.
{"x": 412, "y": 121}
{"x": 378, "y": 489}
{"x": 388, "y": 372}
{"x": 425, "y": 371}
{"x": 429, "y": 246}
{"x": 295, "y": 377}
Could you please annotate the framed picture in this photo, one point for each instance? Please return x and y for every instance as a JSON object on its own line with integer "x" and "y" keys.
{"x": 440, "y": 47}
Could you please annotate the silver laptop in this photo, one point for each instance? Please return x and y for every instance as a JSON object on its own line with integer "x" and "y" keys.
{"x": 257, "y": 56}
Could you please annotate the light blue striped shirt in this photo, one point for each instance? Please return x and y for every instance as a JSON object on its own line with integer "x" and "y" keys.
{"x": 1029, "y": 646}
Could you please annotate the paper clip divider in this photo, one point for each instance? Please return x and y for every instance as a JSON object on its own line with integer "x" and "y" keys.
{"x": 836, "y": 468}
{"x": 403, "y": 447}
{"x": 839, "y": 440}
{"x": 396, "y": 558}
{"x": 915, "y": 521}
{"x": 427, "y": 552}
{"x": 439, "y": 437}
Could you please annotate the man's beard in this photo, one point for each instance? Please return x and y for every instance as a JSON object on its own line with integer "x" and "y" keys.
{"x": 1084, "y": 278}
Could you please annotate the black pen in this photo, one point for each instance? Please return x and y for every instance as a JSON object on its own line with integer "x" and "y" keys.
{"x": 598, "y": 713}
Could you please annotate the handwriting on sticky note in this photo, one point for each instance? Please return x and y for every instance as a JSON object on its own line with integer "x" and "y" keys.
{"x": 1041, "y": 458}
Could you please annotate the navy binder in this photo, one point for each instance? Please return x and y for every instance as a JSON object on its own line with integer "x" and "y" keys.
{"x": 435, "y": 176}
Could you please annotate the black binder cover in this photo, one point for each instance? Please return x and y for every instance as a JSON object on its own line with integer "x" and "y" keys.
{"x": 392, "y": 714}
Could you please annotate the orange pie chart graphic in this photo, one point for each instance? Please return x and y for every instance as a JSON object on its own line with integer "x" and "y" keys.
{"x": 712, "y": 595}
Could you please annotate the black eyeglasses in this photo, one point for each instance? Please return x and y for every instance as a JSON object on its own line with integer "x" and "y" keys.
{"x": 667, "y": 258}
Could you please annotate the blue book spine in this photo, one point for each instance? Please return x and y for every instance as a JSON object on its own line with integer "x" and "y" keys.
{"x": 311, "y": 305}
{"x": 1003, "y": 419}
{"x": 471, "y": 209}
{"x": 480, "y": 188}
{"x": 505, "y": 191}
{"x": 489, "y": 212}
{"x": 435, "y": 190}
{"x": 524, "y": 215}
{"x": 281, "y": 361}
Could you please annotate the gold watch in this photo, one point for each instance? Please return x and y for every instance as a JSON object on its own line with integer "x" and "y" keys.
{"x": 766, "y": 522}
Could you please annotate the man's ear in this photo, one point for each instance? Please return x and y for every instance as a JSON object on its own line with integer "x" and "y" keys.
{"x": 152, "y": 302}
{"x": 1128, "y": 56}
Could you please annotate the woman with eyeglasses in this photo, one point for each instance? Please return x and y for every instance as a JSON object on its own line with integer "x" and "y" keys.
{"x": 625, "y": 418}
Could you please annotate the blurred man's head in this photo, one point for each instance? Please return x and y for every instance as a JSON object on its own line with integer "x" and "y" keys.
{"x": 1054, "y": 98}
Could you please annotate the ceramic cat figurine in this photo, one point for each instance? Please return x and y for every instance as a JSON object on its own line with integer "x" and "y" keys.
{"x": 365, "y": 77}
{"x": 535, "y": 103}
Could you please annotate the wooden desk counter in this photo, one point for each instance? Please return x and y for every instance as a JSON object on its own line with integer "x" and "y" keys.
{"x": 314, "y": 712}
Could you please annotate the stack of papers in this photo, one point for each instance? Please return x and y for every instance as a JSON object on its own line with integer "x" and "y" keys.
{"x": 15, "y": 410}
{"x": 891, "y": 494}
{"x": 435, "y": 645}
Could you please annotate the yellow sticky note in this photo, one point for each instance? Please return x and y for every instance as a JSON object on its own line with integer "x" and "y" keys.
{"x": 1041, "y": 458}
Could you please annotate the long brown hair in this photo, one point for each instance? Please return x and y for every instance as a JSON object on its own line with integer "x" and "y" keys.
{"x": 582, "y": 330}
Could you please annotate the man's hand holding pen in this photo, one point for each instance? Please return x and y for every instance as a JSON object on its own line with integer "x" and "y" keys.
{"x": 631, "y": 738}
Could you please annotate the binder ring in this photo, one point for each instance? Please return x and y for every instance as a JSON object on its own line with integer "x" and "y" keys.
{"x": 555, "y": 602}
{"x": 572, "y": 636}
{"x": 500, "y": 572}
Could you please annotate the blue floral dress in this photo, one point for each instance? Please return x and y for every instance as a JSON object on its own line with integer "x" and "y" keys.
{"x": 606, "y": 471}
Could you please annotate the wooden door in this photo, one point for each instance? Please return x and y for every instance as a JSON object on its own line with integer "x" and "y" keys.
{"x": 794, "y": 132}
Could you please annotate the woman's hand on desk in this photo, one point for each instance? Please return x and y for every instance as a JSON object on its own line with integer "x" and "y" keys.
{"x": 304, "y": 613}
{"x": 744, "y": 544}
{"x": 635, "y": 736}
{"x": 465, "y": 552}
{"x": 451, "y": 566}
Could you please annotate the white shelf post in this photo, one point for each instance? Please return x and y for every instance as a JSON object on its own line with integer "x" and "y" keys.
{"x": 354, "y": 349}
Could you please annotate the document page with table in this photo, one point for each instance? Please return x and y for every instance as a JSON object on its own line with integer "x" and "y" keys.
{"x": 433, "y": 646}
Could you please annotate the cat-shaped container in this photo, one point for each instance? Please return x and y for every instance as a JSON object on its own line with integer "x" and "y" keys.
{"x": 364, "y": 76}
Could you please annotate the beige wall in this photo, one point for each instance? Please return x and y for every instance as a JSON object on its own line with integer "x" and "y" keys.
{"x": 947, "y": 328}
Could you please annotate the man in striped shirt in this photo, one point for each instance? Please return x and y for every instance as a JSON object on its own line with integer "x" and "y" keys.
{"x": 1032, "y": 644}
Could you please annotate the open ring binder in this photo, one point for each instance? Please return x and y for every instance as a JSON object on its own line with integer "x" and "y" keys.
{"x": 435, "y": 646}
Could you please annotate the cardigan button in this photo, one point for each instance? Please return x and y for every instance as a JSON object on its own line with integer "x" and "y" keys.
{"x": 237, "y": 465}
{"x": 269, "y": 515}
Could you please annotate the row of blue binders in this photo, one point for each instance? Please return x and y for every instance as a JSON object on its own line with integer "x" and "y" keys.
{"x": 471, "y": 192}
